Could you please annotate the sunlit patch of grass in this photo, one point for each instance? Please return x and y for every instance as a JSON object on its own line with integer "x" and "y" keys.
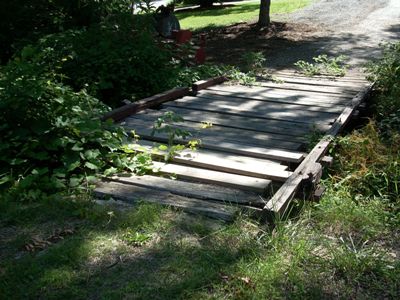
{"x": 346, "y": 246}
{"x": 245, "y": 12}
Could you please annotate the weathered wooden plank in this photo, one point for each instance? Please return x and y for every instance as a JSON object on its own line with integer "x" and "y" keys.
{"x": 266, "y": 92}
{"x": 223, "y": 162}
{"x": 203, "y": 84}
{"x": 349, "y": 77}
{"x": 153, "y": 101}
{"x": 144, "y": 128}
{"x": 322, "y": 82}
{"x": 260, "y": 94}
{"x": 197, "y": 128}
{"x": 245, "y": 150}
{"x": 284, "y": 92}
{"x": 299, "y": 116}
{"x": 134, "y": 194}
{"x": 244, "y": 103}
{"x": 258, "y": 185}
{"x": 309, "y": 88}
{"x": 192, "y": 190}
{"x": 281, "y": 199}
{"x": 255, "y": 124}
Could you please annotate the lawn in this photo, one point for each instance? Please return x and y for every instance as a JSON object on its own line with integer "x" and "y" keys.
{"x": 200, "y": 19}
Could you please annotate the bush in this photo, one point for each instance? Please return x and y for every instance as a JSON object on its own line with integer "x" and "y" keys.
{"x": 112, "y": 62}
{"x": 52, "y": 136}
{"x": 24, "y": 21}
{"x": 386, "y": 73}
{"x": 369, "y": 166}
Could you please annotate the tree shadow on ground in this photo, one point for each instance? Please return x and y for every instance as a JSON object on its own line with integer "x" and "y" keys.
{"x": 283, "y": 44}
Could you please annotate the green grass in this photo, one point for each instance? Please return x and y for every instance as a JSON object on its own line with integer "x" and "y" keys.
{"x": 343, "y": 247}
{"x": 197, "y": 20}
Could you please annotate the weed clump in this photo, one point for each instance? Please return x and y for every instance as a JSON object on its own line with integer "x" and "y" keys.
{"x": 324, "y": 65}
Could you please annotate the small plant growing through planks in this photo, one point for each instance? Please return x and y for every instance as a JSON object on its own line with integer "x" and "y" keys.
{"x": 324, "y": 65}
{"x": 166, "y": 124}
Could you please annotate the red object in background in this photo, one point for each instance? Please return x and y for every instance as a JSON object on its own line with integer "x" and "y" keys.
{"x": 182, "y": 36}
{"x": 200, "y": 56}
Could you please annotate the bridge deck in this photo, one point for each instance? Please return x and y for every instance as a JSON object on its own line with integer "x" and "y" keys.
{"x": 254, "y": 143}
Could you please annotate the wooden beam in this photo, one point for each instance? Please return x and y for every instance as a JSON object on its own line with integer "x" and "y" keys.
{"x": 257, "y": 185}
{"x": 272, "y": 97}
{"x": 278, "y": 204}
{"x": 134, "y": 194}
{"x": 265, "y": 92}
{"x": 261, "y": 111}
{"x": 192, "y": 189}
{"x": 203, "y": 84}
{"x": 255, "y": 124}
{"x": 242, "y": 102}
{"x": 213, "y": 139}
{"x": 153, "y": 101}
{"x": 224, "y": 162}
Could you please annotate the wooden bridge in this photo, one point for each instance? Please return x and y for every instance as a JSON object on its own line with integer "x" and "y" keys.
{"x": 253, "y": 153}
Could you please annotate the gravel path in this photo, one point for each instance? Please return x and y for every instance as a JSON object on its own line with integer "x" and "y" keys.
{"x": 354, "y": 28}
{"x": 338, "y": 14}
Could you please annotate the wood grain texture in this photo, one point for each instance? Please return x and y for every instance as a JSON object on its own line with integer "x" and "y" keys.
{"x": 357, "y": 85}
{"x": 192, "y": 190}
{"x": 254, "y": 184}
{"x": 270, "y": 92}
{"x": 196, "y": 128}
{"x": 134, "y": 194}
{"x": 245, "y": 103}
{"x": 220, "y": 161}
{"x": 260, "y": 94}
{"x": 240, "y": 122}
{"x": 144, "y": 128}
{"x": 250, "y": 110}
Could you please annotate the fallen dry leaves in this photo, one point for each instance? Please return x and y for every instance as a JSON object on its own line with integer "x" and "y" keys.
{"x": 37, "y": 243}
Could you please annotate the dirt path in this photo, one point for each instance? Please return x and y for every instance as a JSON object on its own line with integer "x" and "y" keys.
{"x": 354, "y": 28}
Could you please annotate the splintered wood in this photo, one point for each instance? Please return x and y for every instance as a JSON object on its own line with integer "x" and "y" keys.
{"x": 251, "y": 143}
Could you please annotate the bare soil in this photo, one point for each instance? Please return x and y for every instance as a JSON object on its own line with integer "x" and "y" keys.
{"x": 354, "y": 28}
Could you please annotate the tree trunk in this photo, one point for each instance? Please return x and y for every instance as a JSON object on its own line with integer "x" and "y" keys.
{"x": 206, "y": 3}
{"x": 264, "y": 18}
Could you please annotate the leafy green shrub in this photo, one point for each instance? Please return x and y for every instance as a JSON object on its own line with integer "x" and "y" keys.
{"x": 111, "y": 63}
{"x": 52, "y": 136}
{"x": 253, "y": 62}
{"x": 385, "y": 72}
{"x": 324, "y": 65}
{"x": 24, "y": 21}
